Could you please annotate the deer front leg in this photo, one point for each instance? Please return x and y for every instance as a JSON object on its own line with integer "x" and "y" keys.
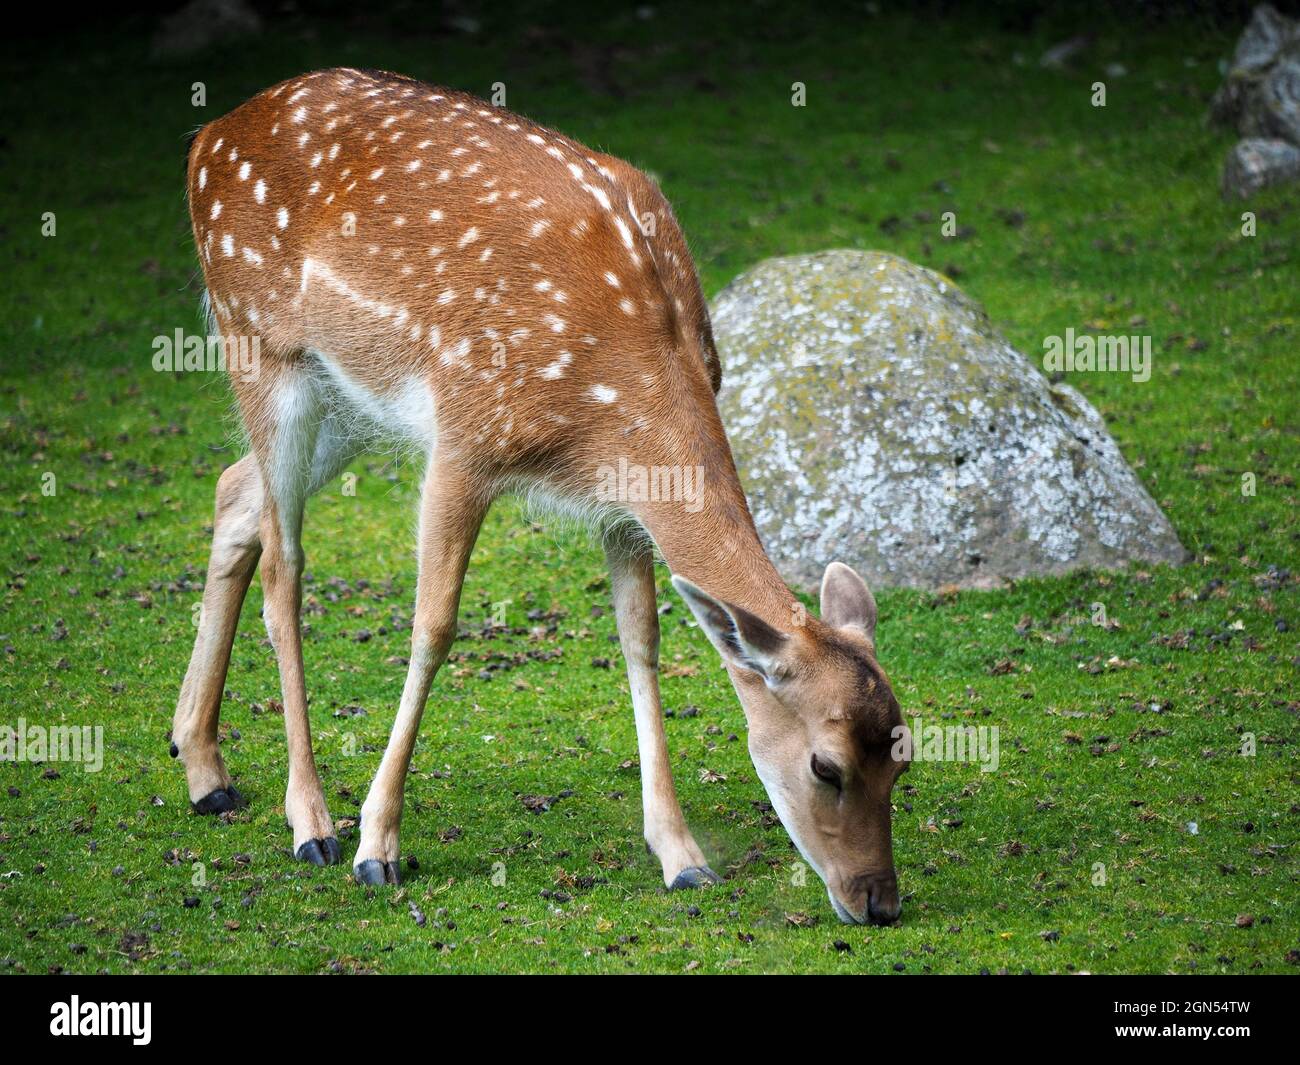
{"x": 451, "y": 511}
{"x": 631, "y": 573}
{"x": 236, "y": 546}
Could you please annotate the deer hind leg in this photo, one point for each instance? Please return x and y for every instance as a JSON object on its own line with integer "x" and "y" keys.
{"x": 298, "y": 447}
{"x": 631, "y": 572}
{"x": 451, "y": 511}
{"x": 236, "y": 545}
{"x": 236, "y": 548}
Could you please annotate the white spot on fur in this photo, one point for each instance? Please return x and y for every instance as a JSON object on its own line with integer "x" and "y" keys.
{"x": 455, "y": 355}
{"x": 555, "y": 370}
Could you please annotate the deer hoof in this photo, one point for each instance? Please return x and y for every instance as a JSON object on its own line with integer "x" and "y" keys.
{"x": 320, "y": 852}
{"x": 219, "y": 802}
{"x": 695, "y": 876}
{"x": 373, "y": 871}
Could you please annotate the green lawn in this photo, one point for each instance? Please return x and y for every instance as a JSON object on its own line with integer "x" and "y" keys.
{"x": 1120, "y": 747}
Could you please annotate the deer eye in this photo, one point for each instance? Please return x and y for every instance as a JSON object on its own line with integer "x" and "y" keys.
{"x": 827, "y": 772}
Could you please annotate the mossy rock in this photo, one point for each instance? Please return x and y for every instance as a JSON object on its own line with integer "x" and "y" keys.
{"x": 1260, "y": 94}
{"x": 877, "y": 417}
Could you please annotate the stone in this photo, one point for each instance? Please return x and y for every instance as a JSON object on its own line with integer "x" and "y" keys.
{"x": 1256, "y": 163}
{"x": 877, "y": 417}
{"x": 1260, "y": 99}
{"x": 1261, "y": 77}
{"x": 1276, "y": 107}
{"x": 203, "y": 23}
{"x": 1061, "y": 54}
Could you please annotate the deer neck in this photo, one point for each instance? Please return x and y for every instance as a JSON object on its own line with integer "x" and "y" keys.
{"x": 710, "y": 538}
{"x": 722, "y": 554}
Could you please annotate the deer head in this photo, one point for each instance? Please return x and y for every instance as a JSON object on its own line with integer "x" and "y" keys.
{"x": 822, "y": 733}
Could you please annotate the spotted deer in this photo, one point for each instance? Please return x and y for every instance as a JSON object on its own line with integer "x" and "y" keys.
{"x": 420, "y": 266}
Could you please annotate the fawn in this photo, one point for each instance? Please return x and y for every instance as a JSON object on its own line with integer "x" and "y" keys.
{"x": 422, "y": 266}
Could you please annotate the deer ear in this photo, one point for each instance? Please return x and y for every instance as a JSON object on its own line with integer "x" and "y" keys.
{"x": 846, "y": 600}
{"x": 743, "y": 639}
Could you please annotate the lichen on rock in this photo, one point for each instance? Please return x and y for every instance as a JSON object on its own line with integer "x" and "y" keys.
{"x": 878, "y": 418}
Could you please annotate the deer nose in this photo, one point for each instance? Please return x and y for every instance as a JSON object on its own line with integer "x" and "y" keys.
{"x": 883, "y": 905}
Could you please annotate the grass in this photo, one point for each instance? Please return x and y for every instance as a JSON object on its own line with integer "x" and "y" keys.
{"x": 1123, "y": 830}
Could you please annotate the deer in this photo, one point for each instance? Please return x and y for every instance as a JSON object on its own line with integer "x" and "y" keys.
{"x": 421, "y": 266}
